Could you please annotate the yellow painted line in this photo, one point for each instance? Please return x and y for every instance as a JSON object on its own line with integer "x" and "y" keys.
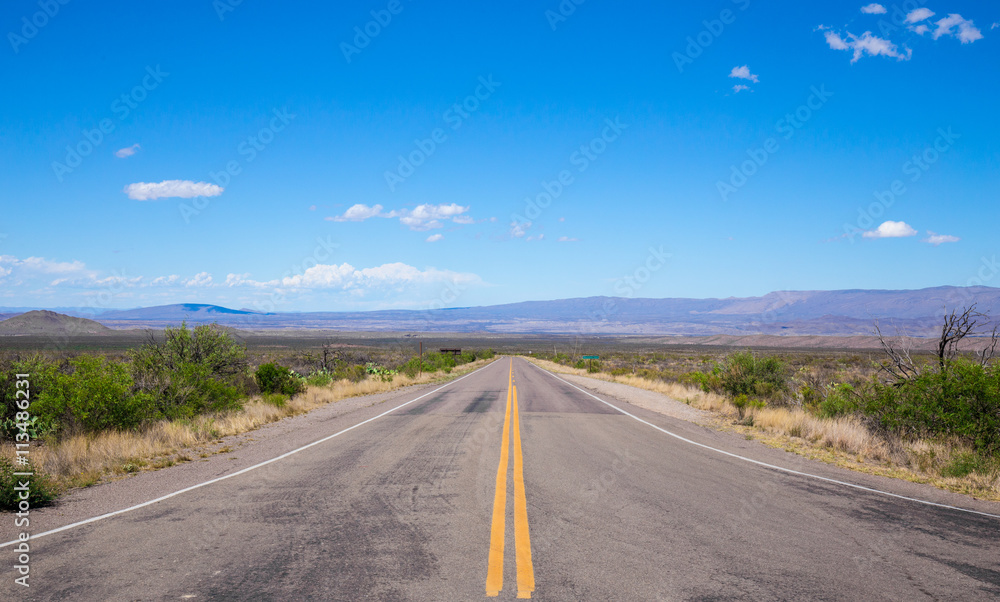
{"x": 522, "y": 538}
{"x": 494, "y": 574}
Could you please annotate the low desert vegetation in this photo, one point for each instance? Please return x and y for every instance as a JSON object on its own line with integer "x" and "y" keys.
{"x": 94, "y": 415}
{"x": 931, "y": 417}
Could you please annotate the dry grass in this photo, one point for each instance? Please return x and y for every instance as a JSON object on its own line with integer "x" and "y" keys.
{"x": 83, "y": 460}
{"x": 843, "y": 441}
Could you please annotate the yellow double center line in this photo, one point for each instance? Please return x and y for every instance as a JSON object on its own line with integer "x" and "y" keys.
{"x": 522, "y": 539}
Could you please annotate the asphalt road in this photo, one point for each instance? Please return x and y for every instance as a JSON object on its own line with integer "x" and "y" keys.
{"x": 406, "y": 507}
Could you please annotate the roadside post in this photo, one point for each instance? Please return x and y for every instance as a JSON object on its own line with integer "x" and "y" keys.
{"x": 590, "y": 361}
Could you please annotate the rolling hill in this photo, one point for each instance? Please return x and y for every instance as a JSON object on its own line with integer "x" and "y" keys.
{"x": 50, "y": 323}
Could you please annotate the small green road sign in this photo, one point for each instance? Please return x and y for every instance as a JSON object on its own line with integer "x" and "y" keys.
{"x": 590, "y": 357}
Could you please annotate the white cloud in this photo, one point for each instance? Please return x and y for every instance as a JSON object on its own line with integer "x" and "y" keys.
{"x": 199, "y": 279}
{"x": 890, "y": 229}
{"x": 864, "y": 44}
{"x": 567, "y": 239}
{"x": 435, "y": 237}
{"x": 185, "y": 189}
{"x": 835, "y": 41}
{"x": 164, "y": 280}
{"x": 873, "y": 9}
{"x": 519, "y": 229}
{"x": 915, "y": 16}
{"x": 420, "y": 218}
{"x": 744, "y": 73}
{"x": 739, "y": 88}
{"x": 537, "y": 237}
{"x": 921, "y": 29}
{"x": 128, "y": 151}
{"x": 359, "y": 213}
{"x": 995, "y": 25}
{"x": 345, "y": 277}
{"x": 937, "y": 239}
{"x": 967, "y": 32}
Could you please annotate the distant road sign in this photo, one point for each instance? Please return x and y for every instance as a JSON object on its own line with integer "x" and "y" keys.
{"x": 590, "y": 357}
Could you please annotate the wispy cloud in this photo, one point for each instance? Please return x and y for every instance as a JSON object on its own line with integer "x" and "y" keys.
{"x": 199, "y": 279}
{"x": 937, "y": 239}
{"x": 890, "y": 229}
{"x": 966, "y": 31}
{"x": 917, "y": 15}
{"x": 873, "y": 9}
{"x": 128, "y": 151}
{"x": 435, "y": 237}
{"x": 866, "y": 44}
{"x": 740, "y": 87}
{"x": 420, "y": 218}
{"x": 184, "y": 189}
{"x": 359, "y": 213}
{"x": 744, "y": 73}
{"x": 567, "y": 239}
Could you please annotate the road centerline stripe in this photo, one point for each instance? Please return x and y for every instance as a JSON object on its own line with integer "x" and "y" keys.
{"x": 522, "y": 537}
{"x": 494, "y": 572}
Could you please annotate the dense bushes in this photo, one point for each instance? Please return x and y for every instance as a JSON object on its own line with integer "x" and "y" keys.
{"x": 41, "y": 489}
{"x": 743, "y": 373}
{"x": 97, "y": 395}
{"x": 274, "y": 378}
{"x": 963, "y": 401}
{"x": 192, "y": 371}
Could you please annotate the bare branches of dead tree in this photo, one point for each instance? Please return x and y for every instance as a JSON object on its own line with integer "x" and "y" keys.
{"x": 957, "y": 325}
{"x": 899, "y": 365}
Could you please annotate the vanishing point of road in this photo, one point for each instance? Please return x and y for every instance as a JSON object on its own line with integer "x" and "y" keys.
{"x": 511, "y": 482}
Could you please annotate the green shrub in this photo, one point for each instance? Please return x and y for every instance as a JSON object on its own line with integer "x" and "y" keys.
{"x": 278, "y": 400}
{"x": 704, "y": 381}
{"x": 743, "y": 373}
{"x": 962, "y": 401}
{"x": 41, "y": 377}
{"x": 744, "y": 403}
{"x": 96, "y": 396}
{"x": 320, "y": 378}
{"x": 192, "y": 371}
{"x": 963, "y": 464}
{"x": 840, "y": 400}
{"x": 274, "y": 378}
{"x": 41, "y": 489}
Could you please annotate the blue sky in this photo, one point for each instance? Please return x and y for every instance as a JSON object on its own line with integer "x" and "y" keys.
{"x": 461, "y": 154}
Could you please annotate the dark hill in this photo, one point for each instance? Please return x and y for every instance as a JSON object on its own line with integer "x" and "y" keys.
{"x": 43, "y": 323}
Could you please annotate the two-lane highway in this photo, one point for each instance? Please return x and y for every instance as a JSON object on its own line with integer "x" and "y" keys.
{"x": 512, "y": 482}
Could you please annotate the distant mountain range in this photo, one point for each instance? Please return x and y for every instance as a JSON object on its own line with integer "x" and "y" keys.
{"x": 842, "y": 313}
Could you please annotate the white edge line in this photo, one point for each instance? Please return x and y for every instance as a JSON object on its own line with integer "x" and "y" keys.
{"x": 765, "y": 464}
{"x": 239, "y": 472}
